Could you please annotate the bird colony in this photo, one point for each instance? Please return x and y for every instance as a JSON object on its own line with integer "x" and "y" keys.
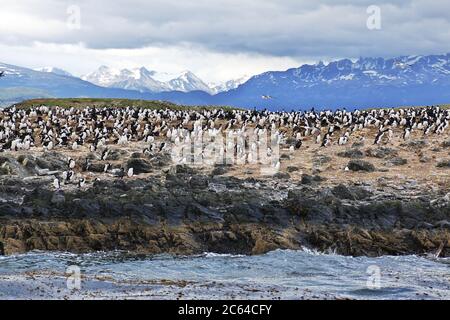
{"x": 241, "y": 137}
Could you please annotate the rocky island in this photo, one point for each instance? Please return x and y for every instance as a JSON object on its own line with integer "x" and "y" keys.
{"x": 374, "y": 182}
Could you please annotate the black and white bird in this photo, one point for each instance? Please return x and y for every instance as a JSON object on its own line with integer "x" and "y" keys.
{"x": 130, "y": 172}
{"x": 379, "y": 137}
{"x": 105, "y": 154}
{"x": 81, "y": 182}
{"x": 71, "y": 163}
{"x": 298, "y": 144}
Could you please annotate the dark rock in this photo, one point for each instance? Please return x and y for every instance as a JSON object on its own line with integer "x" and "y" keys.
{"x": 381, "y": 152}
{"x": 397, "y": 161}
{"x": 139, "y": 165}
{"x": 115, "y": 155}
{"x": 443, "y": 164}
{"x": 292, "y": 169}
{"x": 96, "y": 167}
{"x": 321, "y": 159}
{"x": 281, "y": 175}
{"x": 361, "y": 165}
{"x": 52, "y": 161}
{"x": 92, "y": 156}
{"x": 161, "y": 160}
{"x": 184, "y": 169}
{"x": 446, "y": 144}
{"x": 58, "y": 198}
{"x": 219, "y": 170}
{"x": 358, "y": 144}
{"x": 199, "y": 182}
{"x": 415, "y": 144}
{"x": 342, "y": 192}
{"x": 121, "y": 185}
{"x": 307, "y": 179}
{"x": 442, "y": 224}
{"x": 136, "y": 155}
{"x": 351, "y": 153}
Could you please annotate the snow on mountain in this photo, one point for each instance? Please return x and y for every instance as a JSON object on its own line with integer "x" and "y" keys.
{"x": 402, "y": 71}
{"x": 54, "y": 70}
{"x": 228, "y": 85}
{"x": 364, "y": 82}
{"x": 186, "y": 82}
{"x": 144, "y": 80}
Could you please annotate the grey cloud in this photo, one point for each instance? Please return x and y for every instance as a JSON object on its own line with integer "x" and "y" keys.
{"x": 303, "y": 29}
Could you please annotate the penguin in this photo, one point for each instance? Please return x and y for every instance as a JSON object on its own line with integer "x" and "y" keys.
{"x": 86, "y": 165}
{"x": 378, "y": 138}
{"x": 81, "y": 182}
{"x": 326, "y": 141}
{"x": 106, "y": 167}
{"x": 406, "y": 133}
{"x": 105, "y": 154}
{"x": 71, "y": 163}
{"x": 69, "y": 175}
{"x": 130, "y": 172}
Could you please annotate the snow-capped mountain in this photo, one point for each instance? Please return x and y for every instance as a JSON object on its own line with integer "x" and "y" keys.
{"x": 362, "y": 82}
{"x": 143, "y": 80}
{"x": 55, "y": 70}
{"x": 186, "y": 82}
{"x": 399, "y": 71}
{"x": 139, "y": 79}
{"x": 19, "y": 83}
{"x": 227, "y": 85}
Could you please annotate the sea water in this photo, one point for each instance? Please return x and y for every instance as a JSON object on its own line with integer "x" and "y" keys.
{"x": 281, "y": 274}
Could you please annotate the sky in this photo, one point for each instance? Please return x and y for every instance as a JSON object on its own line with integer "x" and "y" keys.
{"x": 216, "y": 39}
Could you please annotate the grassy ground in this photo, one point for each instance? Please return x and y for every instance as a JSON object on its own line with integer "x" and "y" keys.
{"x": 111, "y": 102}
{"x": 97, "y": 102}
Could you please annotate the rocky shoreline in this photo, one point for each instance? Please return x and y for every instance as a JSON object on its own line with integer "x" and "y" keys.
{"x": 182, "y": 210}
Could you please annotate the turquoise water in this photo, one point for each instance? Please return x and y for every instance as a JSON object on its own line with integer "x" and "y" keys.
{"x": 281, "y": 274}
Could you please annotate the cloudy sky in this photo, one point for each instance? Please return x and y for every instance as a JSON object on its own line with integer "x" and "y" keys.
{"x": 216, "y": 39}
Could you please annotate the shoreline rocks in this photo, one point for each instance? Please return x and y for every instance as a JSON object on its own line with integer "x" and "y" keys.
{"x": 186, "y": 212}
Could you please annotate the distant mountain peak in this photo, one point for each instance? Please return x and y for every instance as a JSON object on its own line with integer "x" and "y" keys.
{"x": 363, "y": 82}
{"x": 54, "y": 70}
{"x": 228, "y": 85}
{"x": 143, "y": 80}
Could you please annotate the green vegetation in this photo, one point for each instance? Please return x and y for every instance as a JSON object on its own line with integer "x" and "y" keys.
{"x": 118, "y": 103}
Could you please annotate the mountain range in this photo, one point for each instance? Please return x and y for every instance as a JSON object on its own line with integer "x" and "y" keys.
{"x": 143, "y": 80}
{"x": 365, "y": 82}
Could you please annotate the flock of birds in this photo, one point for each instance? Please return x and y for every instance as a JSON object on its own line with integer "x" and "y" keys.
{"x": 157, "y": 131}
